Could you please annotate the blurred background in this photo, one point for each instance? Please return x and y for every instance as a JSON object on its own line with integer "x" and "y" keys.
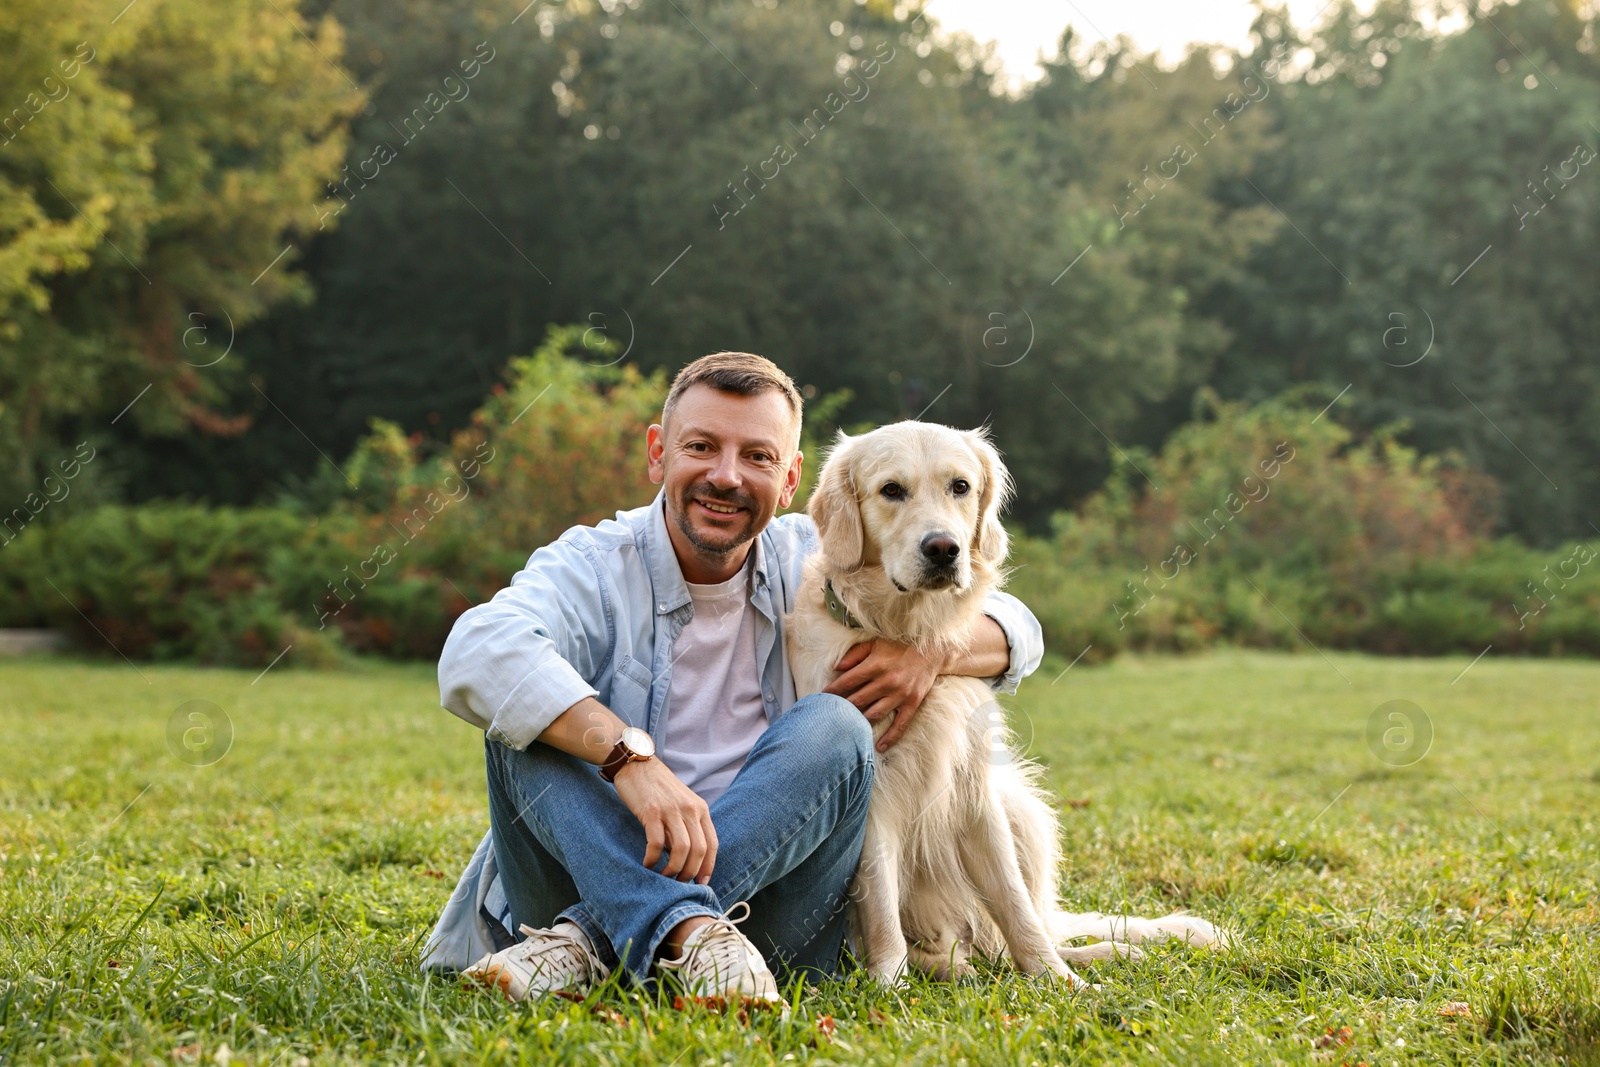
{"x": 317, "y": 318}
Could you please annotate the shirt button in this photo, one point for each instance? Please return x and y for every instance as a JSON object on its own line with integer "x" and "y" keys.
{"x": 661, "y": 607}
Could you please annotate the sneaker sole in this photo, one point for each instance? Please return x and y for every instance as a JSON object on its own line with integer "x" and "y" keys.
{"x": 505, "y": 979}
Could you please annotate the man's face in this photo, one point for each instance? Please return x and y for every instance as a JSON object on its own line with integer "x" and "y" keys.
{"x": 727, "y": 463}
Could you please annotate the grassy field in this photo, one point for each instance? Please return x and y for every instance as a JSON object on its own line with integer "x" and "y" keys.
{"x": 1394, "y": 900}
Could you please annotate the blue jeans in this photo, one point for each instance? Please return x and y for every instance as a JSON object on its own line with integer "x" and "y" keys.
{"x": 789, "y": 831}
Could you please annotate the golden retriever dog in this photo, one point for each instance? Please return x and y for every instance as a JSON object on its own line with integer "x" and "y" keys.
{"x": 961, "y": 848}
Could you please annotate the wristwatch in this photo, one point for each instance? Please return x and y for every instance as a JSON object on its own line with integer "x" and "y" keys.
{"x": 635, "y": 746}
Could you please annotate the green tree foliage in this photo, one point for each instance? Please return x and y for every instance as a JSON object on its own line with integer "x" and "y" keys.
{"x": 1133, "y": 157}
{"x": 822, "y": 183}
{"x": 151, "y": 165}
{"x": 1446, "y": 191}
{"x": 828, "y": 183}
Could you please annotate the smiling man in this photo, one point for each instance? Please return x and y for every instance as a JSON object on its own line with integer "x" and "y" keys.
{"x": 654, "y": 785}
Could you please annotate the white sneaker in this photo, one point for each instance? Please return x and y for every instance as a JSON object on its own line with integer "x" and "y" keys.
{"x": 558, "y": 960}
{"x": 719, "y": 961}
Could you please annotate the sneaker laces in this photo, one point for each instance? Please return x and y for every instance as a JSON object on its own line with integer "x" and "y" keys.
{"x": 721, "y": 947}
{"x": 558, "y": 949}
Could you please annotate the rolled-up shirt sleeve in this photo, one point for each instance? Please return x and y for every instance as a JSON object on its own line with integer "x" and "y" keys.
{"x": 1024, "y": 636}
{"x": 512, "y": 665}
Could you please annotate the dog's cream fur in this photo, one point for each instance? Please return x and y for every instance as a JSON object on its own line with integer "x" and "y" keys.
{"x": 961, "y": 849}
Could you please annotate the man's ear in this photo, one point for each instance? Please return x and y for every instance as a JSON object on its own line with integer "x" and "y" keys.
{"x": 655, "y": 450}
{"x": 791, "y": 480}
{"x": 989, "y": 540}
{"x": 835, "y": 510}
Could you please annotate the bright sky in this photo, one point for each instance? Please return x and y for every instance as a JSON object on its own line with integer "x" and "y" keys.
{"x": 1023, "y": 28}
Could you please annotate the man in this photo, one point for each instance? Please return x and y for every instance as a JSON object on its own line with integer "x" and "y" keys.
{"x": 649, "y": 767}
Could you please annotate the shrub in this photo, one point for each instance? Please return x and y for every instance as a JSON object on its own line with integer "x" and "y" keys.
{"x": 379, "y": 555}
{"x": 1514, "y": 597}
{"x": 424, "y": 535}
{"x": 1258, "y": 525}
{"x": 169, "y": 581}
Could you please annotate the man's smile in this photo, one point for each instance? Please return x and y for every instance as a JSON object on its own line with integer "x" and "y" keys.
{"x": 718, "y": 509}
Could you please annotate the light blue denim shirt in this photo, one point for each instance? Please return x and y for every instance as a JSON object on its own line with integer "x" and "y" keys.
{"x": 596, "y": 614}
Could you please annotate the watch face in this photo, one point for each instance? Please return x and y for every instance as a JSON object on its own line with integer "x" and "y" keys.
{"x": 638, "y": 742}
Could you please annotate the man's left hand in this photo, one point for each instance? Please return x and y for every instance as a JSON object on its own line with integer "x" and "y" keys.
{"x": 883, "y": 677}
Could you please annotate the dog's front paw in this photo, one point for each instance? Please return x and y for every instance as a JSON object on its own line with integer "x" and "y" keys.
{"x": 1076, "y": 983}
{"x": 891, "y": 976}
{"x": 1052, "y": 968}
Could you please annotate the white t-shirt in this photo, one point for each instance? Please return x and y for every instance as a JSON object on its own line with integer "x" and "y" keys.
{"x": 714, "y": 709}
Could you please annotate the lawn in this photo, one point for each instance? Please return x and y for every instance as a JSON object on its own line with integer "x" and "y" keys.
{"x": 1391, "y": 904}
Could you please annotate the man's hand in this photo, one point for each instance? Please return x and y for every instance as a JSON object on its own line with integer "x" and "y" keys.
{"x": 674, "y": 818}
{"x": 883, "y": 677}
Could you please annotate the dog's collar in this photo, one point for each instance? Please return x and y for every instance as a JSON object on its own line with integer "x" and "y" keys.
{"x": 836, "y": 608}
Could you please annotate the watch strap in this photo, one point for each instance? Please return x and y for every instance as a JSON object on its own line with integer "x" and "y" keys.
{"x": 621, "y": 755}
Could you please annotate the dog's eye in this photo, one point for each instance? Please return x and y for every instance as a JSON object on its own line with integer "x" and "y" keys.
{"x": 893, "y": 490}
{"x": 960, "y": 487}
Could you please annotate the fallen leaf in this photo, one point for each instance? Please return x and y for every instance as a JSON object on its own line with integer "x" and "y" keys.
{"x": 187, "y": 1053}
{"x": 709, "y": 1003}
{"x": 1456, "y": 1007}
{"x": 610, "y": 1015}
{"x": 1333, "y": 1038}
{"x": 1070, "y": 803}
{"x": 431, "y": 873}
{"x": 825, "y": 1026}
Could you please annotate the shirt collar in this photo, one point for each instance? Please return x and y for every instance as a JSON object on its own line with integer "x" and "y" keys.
{"x": 666, "y": 576}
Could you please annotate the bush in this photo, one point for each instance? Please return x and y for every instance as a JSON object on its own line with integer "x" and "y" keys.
{"x": 1511, "y": 596}
{"x": 409, "y": 542}
{"x": 1257, "y": 525}
{"x": 423, "y": 535}
{"x": 1263, "y": 526}
{"x": 169, "y": 581}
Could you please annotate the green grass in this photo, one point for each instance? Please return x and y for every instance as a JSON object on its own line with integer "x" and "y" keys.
{"x": 274, "y": 900}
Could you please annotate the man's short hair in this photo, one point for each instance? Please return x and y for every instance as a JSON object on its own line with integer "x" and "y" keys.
{"x": 742, "y": 373}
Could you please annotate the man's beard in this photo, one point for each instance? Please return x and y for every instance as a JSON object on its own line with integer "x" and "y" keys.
{"x": 706, "y": 491}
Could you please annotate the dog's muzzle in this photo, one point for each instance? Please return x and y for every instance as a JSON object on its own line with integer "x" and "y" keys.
{"x": 941, "y": 559}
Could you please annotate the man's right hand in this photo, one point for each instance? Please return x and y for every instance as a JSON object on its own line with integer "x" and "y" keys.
{"x": 674, "y": 818}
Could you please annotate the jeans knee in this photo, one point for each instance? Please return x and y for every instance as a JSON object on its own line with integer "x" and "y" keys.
{"x": 840, "y": 734}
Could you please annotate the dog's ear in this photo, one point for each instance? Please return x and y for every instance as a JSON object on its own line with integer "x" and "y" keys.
{"x": 989, "y": 540}
{"x": 836, "y": 511}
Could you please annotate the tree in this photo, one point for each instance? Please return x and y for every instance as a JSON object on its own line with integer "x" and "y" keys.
{"x": 153, "y": 171}
{"x": 1446, "y": 197}
{"x": 823, "y": 183}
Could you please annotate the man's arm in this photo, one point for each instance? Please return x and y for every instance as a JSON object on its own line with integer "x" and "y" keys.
{"x": 1024, "y": 638}
{"x": 518, "y": 668}
{"x": 673, "y": 816}
{"x": 512, "y": 665}
{"x": 883, "y": 676}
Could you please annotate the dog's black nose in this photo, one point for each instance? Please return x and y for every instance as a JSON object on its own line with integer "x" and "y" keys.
{"x": 941, "y": 549}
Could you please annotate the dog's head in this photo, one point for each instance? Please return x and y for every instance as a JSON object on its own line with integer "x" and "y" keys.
{"x": 920, "y": 500}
